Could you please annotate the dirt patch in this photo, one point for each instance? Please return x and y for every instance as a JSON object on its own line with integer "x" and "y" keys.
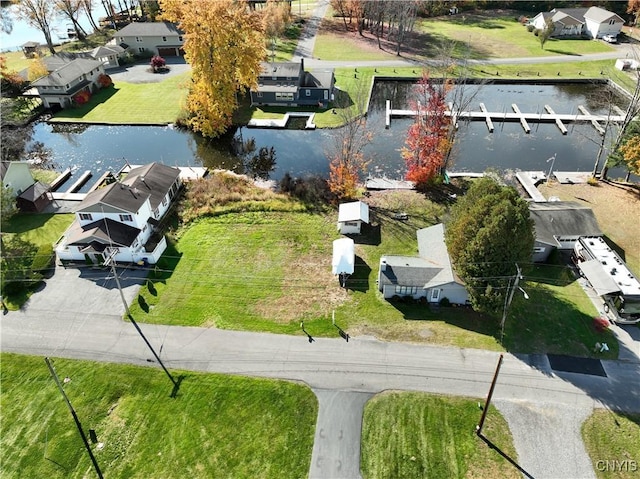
{"x": 322, "y": 294}
{"x": 614, "y": 205}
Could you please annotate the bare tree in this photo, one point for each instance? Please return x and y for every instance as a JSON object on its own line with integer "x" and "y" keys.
{"x": 87, "y": 8}
{"x": 39, "y": 14}
{"x": 402, "y": 20}
{"x": 71, "y": 10}
{"x": 6, "y": 24}
{"x": 347, "y": 145}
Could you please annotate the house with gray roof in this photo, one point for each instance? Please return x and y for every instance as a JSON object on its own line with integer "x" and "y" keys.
{"x": 593, "y": 22}
{"x": 123, "y": 216}
{"x": 559, "y": 224}
{"x": 68, "y": 76}
{"x": 152, "y": 38}
{"x": 288, "y": 84}
{"x": 429, "y": 275}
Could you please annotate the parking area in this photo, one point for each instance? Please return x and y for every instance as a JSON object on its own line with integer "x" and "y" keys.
{"x": 141, "y": 72}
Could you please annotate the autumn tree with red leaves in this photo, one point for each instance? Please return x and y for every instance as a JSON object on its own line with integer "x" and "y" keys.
{"x": 428, "y": 140}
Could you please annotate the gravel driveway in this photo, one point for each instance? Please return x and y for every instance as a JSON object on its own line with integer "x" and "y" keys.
{"x": 140, "y": 72}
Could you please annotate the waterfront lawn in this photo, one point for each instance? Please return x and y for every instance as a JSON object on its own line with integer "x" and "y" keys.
{"x": 132, "y": 104}
{"x": 216, "y": 426}
{"x": 487, "y": 36}
{"x": 612, "y": 440}
{"x": 409, "y": 435}
{"x": 39, "y": 229}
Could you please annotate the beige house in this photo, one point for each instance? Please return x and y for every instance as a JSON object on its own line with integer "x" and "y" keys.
{"x": 152, "y": 38}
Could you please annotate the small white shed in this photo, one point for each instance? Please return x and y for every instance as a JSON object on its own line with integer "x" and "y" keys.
{"x": 344, "y": 257}
{"x": 351, "y": 216}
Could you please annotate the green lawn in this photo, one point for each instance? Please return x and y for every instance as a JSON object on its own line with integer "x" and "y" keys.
{"x": 217, "y": 426}
{"x": 37, "y": 228}
{"x": 22, "y": 236}
{"x": 411, "y": 435}
{"x": 484, "y": 36}
{"x": 132, "y": 103}
{"x": 613, "y": 443}
{"x": 285, "y": 277}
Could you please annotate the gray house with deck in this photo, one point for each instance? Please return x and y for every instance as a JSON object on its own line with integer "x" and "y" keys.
{"x": 288, "y": 84}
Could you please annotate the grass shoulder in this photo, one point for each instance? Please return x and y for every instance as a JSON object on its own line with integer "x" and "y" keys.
{"x": 409, "y": 435}
{"x": 612, "y": 440}
{"x": 248, "y": 427}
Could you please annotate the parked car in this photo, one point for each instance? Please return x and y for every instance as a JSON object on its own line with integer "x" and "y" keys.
{"x": 610, "y": 38}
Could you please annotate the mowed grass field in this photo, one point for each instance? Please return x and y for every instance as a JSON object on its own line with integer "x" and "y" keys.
{"x": 216, "y": 426}
{"x": 132, "y": 103}
{"x": 612, "y": 440}
{"x": 407, "y": 435}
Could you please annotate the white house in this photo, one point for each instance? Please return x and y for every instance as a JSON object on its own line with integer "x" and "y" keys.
{"x": 123, "y": 215}
{"x": 351, "y": 216}
{"x": 109, "y": 55}
{"x": 594, "y": 22}
{"x": 429, "y": 275}
{"x": 600, "y": 22}
{"x": 67, "y": 77}
{"x": 156, "y": 38}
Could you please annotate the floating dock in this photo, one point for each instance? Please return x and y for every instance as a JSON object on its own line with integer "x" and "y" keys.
{"x": 282, "y": 122}
{"x": 529, "y": 180}
{"x": 523, "y": 117}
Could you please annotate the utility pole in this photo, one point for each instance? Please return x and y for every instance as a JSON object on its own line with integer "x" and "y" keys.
{"x": 507, "y": 303}
{"x": 75, "y": 417}
{"x": 488, "y": 401}
{"x": 110, "y": 262}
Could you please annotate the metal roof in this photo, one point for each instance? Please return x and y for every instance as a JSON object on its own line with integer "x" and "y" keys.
{"x": 149, "y": 29}
{"x": 354, "y": 211}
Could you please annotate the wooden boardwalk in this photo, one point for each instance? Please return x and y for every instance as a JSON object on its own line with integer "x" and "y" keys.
{"x": 523, "y": 117}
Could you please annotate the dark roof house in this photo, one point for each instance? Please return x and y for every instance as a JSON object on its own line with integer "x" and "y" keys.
{"x": 559, "y": 224}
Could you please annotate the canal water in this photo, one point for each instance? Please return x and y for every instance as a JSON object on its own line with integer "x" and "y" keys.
{"x": 304, "y": 152}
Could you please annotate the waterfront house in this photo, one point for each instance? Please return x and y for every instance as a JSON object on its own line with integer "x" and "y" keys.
{"x": 152, "y": 38}
{"x": 30, "y": 195}
{"x": 559, "y": 224}
{"x": 429, "y": 275}
{"x": 124, "y": 217}
{"x": 288, "y": 84}
{"x": 68, "y": 76}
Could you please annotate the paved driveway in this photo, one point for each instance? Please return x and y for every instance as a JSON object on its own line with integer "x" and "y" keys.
{"x": 84, "y": 292}
{"x": 140, "y": 72}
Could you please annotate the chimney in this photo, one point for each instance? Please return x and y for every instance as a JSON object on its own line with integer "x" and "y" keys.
{"x": 302, "y": 64}
{"x": 383, "y": 265}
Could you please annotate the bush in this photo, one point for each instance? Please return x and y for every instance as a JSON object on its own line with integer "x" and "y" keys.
{"x": 104, "y": 80}
{"x": 592, "y": 181}
{"x": 81, "y": 97}
{"x": 158, "y": 63}
{"x": 43, "y": 259}
{"x": 444, "y": 302}
{"x": 536, "y": 32}
{"x": 530, "y": 28}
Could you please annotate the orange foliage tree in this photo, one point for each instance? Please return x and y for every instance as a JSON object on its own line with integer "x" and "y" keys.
{"x": 224, "y": 43}
{"x": 630, "y": 151}
{"x": 428, "y": 141}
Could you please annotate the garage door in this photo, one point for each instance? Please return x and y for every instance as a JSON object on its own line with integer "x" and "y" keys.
{"x": 167, "y": 52}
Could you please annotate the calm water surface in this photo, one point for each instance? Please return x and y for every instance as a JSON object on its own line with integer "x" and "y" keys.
{"x": 301, "y": 153}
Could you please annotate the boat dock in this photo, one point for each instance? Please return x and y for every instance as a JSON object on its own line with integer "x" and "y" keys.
{"x": 80, "y": 182}
{"x": 282, "y": 122}
{"x": 489, "y": 117}
{"x": 529, "y": 180}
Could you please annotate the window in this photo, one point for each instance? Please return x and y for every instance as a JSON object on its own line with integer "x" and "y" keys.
{"x": 140, "y": 50}
{"x": 86, "y": 216}
{"x": 126, "y": 218}
{"x": 259, "y": 94}
{"x": 180, "y": 38}
{"x": 539, "y": 249}
{"x": 139, "y": 39}
{"x": 155, "y": 212}
{"x": 326, "y": 94}
{"x": 307, "y": 92}
{"x": 406, "y": 290}
{"x": 164, "y": 201}
{"x": 284, "y": 96}
{"x": 144, "y": 228}
{"x": 164, "y": 39}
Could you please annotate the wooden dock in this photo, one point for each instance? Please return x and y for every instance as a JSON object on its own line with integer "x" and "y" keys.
{"x": 517, "y": 115}
{"x": 81, "y": 181}
{"x": 61, "y": 178}
{"x": 529, "y": 180}
{"x": 559, "y": 123}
